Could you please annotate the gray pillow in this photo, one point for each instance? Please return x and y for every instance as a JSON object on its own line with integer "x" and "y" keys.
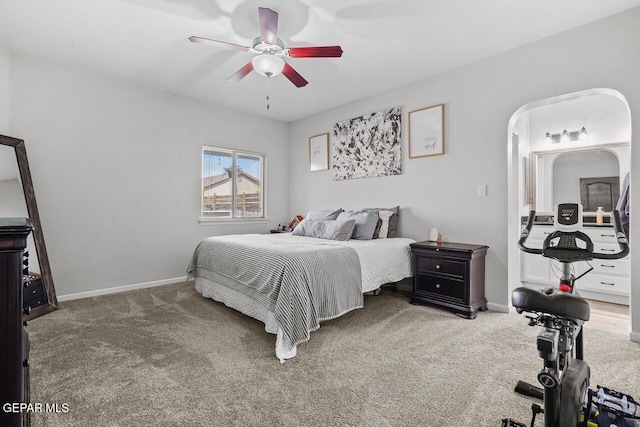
{"x": 332, "y": 229}
{"x": 366, "y": 223}
{"x": 393, "y": 221}
{"x": 324, "y": 215}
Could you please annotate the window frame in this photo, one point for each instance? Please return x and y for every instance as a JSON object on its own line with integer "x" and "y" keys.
{"x": 234, "y": 162}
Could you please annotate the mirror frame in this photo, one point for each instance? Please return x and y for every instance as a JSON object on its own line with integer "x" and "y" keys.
{"x": 532, "y": 185}
{"x": 38, "y": 236}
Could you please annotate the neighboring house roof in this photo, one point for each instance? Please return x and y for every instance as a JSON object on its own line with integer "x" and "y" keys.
{"x": 217, "y": 180}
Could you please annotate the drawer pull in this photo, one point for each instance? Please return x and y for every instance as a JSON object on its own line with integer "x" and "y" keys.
{"x": 608, "y": 284}
{"x": 438, "y": 266}
{"x": 608, "y": 266}
{"x": 608, "y": 250}
{"x": 438, "y": 285}
{"x": 607, "y": 235}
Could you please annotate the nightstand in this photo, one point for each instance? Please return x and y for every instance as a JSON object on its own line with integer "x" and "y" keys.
{"x": 450, "y": 275}
{"x": 280, "y": 231}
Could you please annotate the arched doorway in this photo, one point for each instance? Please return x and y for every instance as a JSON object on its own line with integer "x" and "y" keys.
{"x": 535, "y": 129}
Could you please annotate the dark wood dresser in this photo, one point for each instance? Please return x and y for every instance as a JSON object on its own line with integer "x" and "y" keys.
{"x": 14, "y": 343}
{"x": 450, "y": 275}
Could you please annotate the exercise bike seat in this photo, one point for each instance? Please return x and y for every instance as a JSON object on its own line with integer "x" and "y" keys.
{"x": 551, "y": 301}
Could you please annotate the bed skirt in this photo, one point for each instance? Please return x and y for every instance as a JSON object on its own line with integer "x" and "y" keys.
{"x": 247, "y": 306}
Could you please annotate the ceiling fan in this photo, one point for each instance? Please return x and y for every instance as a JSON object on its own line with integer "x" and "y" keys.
{"x": 270, "y": 51}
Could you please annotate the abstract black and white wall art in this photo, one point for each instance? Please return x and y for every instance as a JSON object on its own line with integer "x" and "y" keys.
{"x": 368, "y": 146}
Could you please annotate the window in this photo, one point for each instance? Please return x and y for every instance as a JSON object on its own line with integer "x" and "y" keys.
{"x": 232, "y": 184}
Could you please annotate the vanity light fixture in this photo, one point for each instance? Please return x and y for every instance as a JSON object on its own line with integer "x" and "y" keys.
{"x": 583, "y": 134}
{"x": 566, "y": 136}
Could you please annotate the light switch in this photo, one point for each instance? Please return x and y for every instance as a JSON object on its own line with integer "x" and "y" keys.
{"x": 482, "y": 190}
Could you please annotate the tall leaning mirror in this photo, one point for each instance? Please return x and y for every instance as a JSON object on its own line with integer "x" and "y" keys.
{"x": 17, "y": 199}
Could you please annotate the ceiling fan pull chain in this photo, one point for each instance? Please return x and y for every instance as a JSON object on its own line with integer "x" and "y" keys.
{"x": 268, "y": 78}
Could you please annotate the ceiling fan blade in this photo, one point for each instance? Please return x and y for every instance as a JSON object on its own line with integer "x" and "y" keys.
{"x": 293, "y": 76}
{"x": 218, "y": 43}
{"x": 241, "y": 73}
{"x": 268, "y": 24}
{"x": 315, "y": 52}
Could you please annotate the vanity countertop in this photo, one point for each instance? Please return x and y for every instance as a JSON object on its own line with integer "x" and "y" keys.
{"x": 588, "y": 220}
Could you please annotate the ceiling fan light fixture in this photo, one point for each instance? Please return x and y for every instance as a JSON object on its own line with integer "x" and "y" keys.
{"x": 268, "y": 65}
{"x": 270, "y": 50}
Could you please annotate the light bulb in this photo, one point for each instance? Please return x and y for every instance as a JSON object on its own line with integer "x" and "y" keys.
{"x": 583, "y": 134}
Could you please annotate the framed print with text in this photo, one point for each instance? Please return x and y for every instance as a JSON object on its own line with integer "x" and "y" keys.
{"x": 319, "y": 152}
{"x": 426, "y": 131}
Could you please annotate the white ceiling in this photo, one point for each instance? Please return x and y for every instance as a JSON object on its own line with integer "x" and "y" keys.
{"x": 604, "y": 115}
{"x": 385, "y": 43}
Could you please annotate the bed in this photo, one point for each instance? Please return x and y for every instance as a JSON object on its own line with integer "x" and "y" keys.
{"x": 293, "y": 282}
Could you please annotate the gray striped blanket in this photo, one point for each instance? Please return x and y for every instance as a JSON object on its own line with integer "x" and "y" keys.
{"x": 302, "y": 280}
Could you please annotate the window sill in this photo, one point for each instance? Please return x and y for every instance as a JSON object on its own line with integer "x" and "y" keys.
{"x": 231, "y": 221}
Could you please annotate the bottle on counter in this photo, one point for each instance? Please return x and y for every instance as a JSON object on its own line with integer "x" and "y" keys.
{"x": 600, "y": 216}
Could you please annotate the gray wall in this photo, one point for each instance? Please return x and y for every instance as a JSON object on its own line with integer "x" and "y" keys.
{"x": 13, "y": 204}
{"x": 117, "y": 168}
{"x": 4, "y": 90}
{"x": 479, "y": 101}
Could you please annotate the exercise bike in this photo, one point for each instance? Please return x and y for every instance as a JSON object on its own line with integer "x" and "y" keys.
{"x": 561, "y": 313}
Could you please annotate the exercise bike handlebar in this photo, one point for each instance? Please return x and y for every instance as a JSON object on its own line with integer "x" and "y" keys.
{"x": 525, "y": 235}
{"x": 617, "y": 226}
{"x": 620, "y": 237}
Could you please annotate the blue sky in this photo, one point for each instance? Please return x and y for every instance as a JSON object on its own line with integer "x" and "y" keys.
{"x": 215, "y": 164}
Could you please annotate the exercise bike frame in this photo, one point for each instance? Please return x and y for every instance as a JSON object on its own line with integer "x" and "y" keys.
{"x": 564, "y": 374}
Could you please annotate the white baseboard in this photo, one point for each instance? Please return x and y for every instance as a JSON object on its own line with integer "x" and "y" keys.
{"x": 635, "y": 336}
{"x": 119, "y": 289}
{"x": 500, "y": 308}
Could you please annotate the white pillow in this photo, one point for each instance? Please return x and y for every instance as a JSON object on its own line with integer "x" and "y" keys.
{"x": 393, "y": 222}
{"x": 384, "y": 228}
{"x": 331, "y": 229}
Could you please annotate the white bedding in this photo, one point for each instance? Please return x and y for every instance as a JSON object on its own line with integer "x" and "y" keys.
{"x": 381, "y": 261}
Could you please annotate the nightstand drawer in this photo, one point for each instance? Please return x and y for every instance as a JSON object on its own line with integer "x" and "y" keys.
{"x": 440, "y": 286}
{"x": 436, "y": 265}
{"x": 450, "y": 275}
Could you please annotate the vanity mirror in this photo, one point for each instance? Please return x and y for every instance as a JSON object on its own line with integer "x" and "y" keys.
{"x": 591, "y": 175}
{"x": 17, "y": 199}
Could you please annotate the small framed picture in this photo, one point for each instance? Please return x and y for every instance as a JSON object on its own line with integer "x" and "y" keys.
{"x": 426, "y": 131}
{"x": 319, "y": 152}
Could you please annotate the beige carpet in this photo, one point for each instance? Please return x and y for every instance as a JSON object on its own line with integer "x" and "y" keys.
{"x": 168, "y": 357}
